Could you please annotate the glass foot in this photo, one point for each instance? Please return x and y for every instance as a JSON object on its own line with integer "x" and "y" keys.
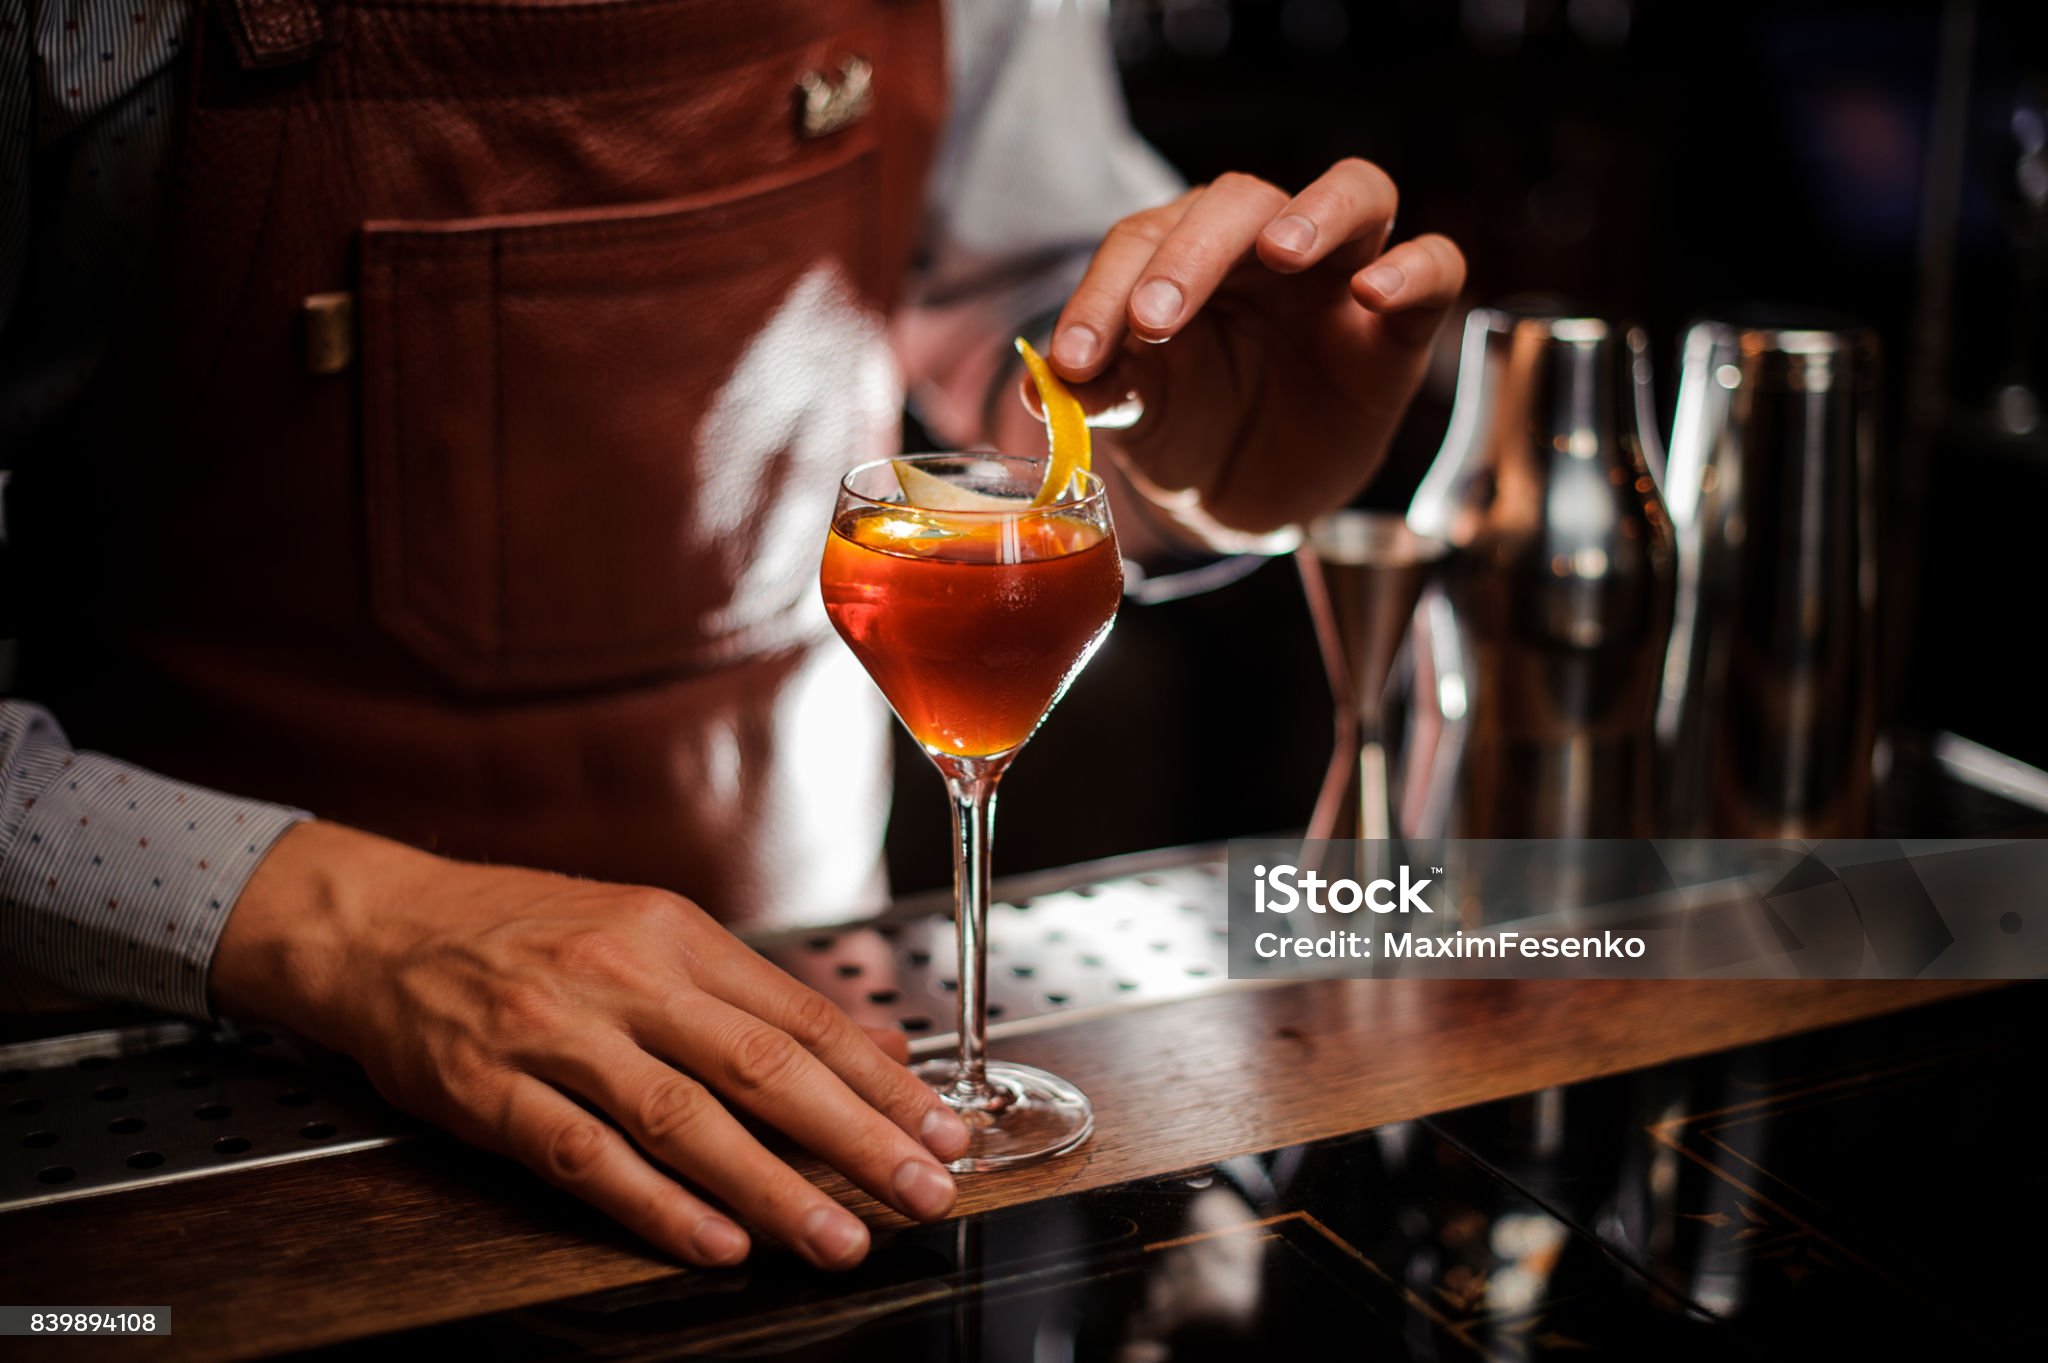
{"x": 1030, "y": 1115}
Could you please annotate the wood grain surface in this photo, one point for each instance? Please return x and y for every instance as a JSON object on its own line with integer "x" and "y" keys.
{"x": 331, "y": 1249}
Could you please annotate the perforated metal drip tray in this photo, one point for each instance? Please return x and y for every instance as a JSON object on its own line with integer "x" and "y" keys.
{"x": 104, "y": 1111}
{"x": 1135, "y": 930}
{"x": 98, "y": 1111}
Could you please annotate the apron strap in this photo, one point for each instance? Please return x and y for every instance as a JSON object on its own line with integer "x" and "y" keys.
{"x": 271, "y": 33}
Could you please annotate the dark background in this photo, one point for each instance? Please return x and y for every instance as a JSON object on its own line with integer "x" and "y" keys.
{"x": 1654, "y": 161}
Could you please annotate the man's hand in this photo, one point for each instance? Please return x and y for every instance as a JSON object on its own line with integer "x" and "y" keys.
{"x": 1274, "y": 341}
{"x": 492, "y": 1000}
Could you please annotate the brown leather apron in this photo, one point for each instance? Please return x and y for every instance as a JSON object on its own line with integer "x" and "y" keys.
{"x": 533, "y": 578}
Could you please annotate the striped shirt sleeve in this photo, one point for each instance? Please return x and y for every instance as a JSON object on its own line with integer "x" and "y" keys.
{"x": 115, "y": 882}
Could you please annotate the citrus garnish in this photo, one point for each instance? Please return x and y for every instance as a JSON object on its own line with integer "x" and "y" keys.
{"x": 1066, "y": 427}
{"x": 929, "y": 492}
{"x": 929, "y": 515}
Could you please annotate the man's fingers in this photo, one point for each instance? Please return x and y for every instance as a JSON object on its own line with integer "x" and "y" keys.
{"x": 750, "y": 983}
{"x": 1351, "y": 203}
{"x": 1109, "y": 400}
{"x": 890, "y": 1041}
{"x": 1421, "y": 277}
{"x": 764, "y": 1069}
{"x": 1091, "y": 326}
{"x": 678, "y": 1121}
{"x": 1156, "y": 270}
{"x": 579, "y": 1154}
{"x": 1210, "y": 239}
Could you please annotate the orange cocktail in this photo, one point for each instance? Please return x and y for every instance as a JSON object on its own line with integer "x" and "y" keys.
{"x": 971, "y": 625}
{"x": 973, "y": 587}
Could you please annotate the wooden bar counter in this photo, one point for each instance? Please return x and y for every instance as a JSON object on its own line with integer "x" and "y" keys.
{"x": 327, "y": 1250}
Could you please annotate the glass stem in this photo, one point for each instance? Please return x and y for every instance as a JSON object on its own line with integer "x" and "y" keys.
{"x": 972, "y": 785}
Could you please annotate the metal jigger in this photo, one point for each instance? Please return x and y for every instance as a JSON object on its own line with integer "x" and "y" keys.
{"x": 1363, "y": 572}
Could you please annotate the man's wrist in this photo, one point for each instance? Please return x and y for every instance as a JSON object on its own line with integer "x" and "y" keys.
{"x": 304, "y": 919}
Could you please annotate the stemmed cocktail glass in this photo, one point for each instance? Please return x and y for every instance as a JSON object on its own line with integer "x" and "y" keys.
{"x": 973, "y": 606}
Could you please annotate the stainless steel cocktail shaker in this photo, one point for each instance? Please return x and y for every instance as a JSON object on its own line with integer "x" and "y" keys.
{"x": 1769, "y": 713}
{"x": 1560, "y": 580}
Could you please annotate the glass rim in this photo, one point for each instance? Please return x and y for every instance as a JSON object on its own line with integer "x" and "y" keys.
{"x": 1094, "y": 489}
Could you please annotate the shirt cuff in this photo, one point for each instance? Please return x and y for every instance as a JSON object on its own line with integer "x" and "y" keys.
{"x": 117, "y": 881}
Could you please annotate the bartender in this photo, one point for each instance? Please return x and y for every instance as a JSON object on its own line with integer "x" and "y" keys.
{"x": 427, "y": 416}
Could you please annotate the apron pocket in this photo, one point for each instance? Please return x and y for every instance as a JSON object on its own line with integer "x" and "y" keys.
{"x": 602, "y": 445}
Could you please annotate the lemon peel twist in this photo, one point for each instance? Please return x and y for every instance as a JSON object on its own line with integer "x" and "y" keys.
{"x": 1066, "y": 427}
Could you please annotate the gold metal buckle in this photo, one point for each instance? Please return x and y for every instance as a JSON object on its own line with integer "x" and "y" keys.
{"x": 330, "y": 323}
{"x": 825, "y": 106}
